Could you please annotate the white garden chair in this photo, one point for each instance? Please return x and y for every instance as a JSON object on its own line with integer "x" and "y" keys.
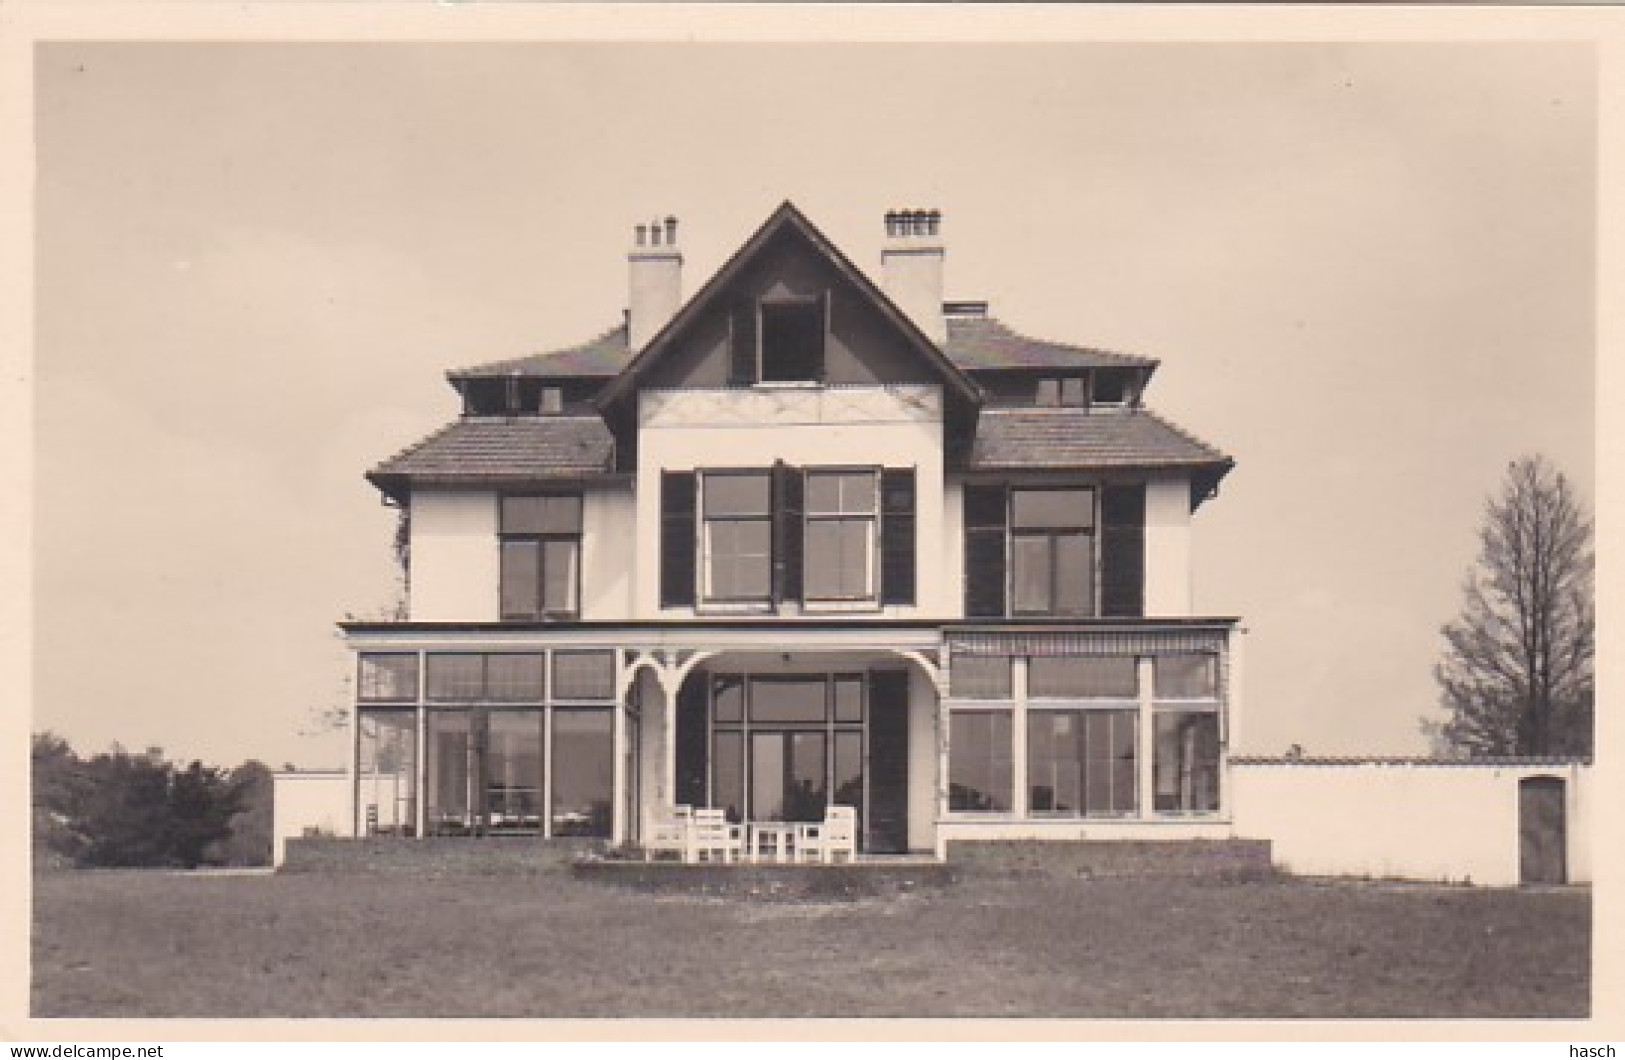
{"x": 711, "y": 837}
{"x": 838, "y": 835}
{"x": 670, "y": 834}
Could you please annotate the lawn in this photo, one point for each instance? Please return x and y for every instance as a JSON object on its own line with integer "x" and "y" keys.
{"x": 131, "y": 944}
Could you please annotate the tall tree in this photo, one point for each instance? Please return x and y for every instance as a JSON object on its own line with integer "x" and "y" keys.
{"x": 1516, "y": 674}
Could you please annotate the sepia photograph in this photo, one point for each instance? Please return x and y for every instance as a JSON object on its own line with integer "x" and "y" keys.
{"x": 560, "y": 528}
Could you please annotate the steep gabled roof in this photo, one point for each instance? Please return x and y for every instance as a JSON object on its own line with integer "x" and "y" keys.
{"x": 987, "y": 344}
{"x": 499, "y": 448}
{"x": 786, "y": 217}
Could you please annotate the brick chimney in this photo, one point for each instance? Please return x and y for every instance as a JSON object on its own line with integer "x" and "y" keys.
{"x": 656, "y": 280}
{"x": 911, "y": 268}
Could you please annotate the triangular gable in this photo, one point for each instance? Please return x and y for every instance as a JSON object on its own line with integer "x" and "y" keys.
{"x": 785, "y": 217}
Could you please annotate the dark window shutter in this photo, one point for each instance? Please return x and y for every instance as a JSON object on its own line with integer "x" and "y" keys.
{"x": 1122, "y": 550}
{"x": 789, "y": 501}
{"x": 897, "y": 536}
{"x": 984, "y": 551}
{"x": 691, "y": 740}
{"x": 677, "y": 539}
{"x": 742, "y": 349}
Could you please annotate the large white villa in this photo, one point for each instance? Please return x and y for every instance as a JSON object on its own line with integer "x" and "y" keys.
{"x": 803, "y": 539}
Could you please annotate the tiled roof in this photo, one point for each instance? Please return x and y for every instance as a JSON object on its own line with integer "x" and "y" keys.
{"x": 603, "y": 356}
{"x": 974, "y": 344}
{"x": 492, "y": 447}
{"x": 985, "y": 343}
{"x": 1011, "y": 438}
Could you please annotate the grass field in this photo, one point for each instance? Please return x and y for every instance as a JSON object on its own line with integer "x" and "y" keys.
{"x": 133, "y": 944}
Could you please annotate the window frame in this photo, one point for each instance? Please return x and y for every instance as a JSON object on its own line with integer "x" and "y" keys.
{"x": 1081, "y": 712}
{"x": 872, "y": 538}
{"x": 542, "y": 613}
{"x": 818, "y": 308}
{"x": 1051, "y": 535}
{"x": 968, "y": 710}
{"x": 1052, "y": 391}
{"x": 703, "y": 596}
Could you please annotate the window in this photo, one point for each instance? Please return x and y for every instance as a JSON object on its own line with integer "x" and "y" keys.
{"x": 1051, "y": 551}
{"x": 792, "y": 341}
{"x": 840, "y": 535}
{"x": 541, "y": 556}
{"x": 738, "y": 536}
{"x": 387, "y": 772}
{"x": 784, "y": 747}
{"x": 1186, "y": 777}
{"x": 979, "y": 772}
{"x": 979, "y": 676}
{"x": 1083, "y": 676}
{"x": 583, "y": 772}
{"x": 1186, "y": 734}
{"x": 1070, "y": 391}
{"x": 583, "y": 675}
{"x": 767, "y": 536}
{"x": 456, "y": 678}
{"x": 514, "y": 678}
{"x": 1113, "y": 388}
{"x": 1081, "y": 763}
{"x": 387, "y": 677}
{"x": 1186, "y": 676}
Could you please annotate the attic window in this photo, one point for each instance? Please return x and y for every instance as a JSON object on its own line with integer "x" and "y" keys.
{"x": 552, "y": 401}
{"x": 1070, "y": 391}
{"x": 792, "y": 341}
{"x": 1111, "y": 388}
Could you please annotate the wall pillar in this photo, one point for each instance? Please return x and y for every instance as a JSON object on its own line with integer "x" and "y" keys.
{"x": 1147, "y": 743}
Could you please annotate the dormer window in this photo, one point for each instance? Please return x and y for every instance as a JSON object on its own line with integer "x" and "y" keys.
{"x": 779, "y": 340}
{"x": 1071, "y": 391}
{"x": 551, "y": 402}
{"x": 1112, "y": 388}
{"x": 792, "y": 341}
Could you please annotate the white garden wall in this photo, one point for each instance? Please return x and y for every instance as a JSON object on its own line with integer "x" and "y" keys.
{"x": 317, "y": 800}
{"x": 1405, "y": 819}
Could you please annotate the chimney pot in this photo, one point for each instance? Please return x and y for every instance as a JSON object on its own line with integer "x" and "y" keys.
{"x": 642, "y": 231}
{"x": 671, "y": 231}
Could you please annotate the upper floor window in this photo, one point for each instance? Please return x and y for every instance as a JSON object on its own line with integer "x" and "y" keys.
{"x": 1052, "y": 556}
{"x": 779, "y": 340}
{"x": 842, "y": 513}
{"x": 1033, "y": 550}
{"x": 541, "y": 556}
{"x": 817, "y": 536}
{"x": 737, "y": 542}
{"x": 1071, "y": 390}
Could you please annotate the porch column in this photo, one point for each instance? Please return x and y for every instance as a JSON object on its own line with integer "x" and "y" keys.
{"x": 1147, "y": 750}
{"x": 670, "y": 680}
{"x": 617, "y": 786}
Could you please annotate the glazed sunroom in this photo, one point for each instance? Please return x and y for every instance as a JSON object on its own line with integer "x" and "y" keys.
{"x": 796, "y": 543}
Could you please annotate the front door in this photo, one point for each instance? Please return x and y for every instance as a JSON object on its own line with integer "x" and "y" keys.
{"x": 1542, "y": 853}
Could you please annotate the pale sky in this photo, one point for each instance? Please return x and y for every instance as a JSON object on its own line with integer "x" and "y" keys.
{"x": 1367, "y": 271}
